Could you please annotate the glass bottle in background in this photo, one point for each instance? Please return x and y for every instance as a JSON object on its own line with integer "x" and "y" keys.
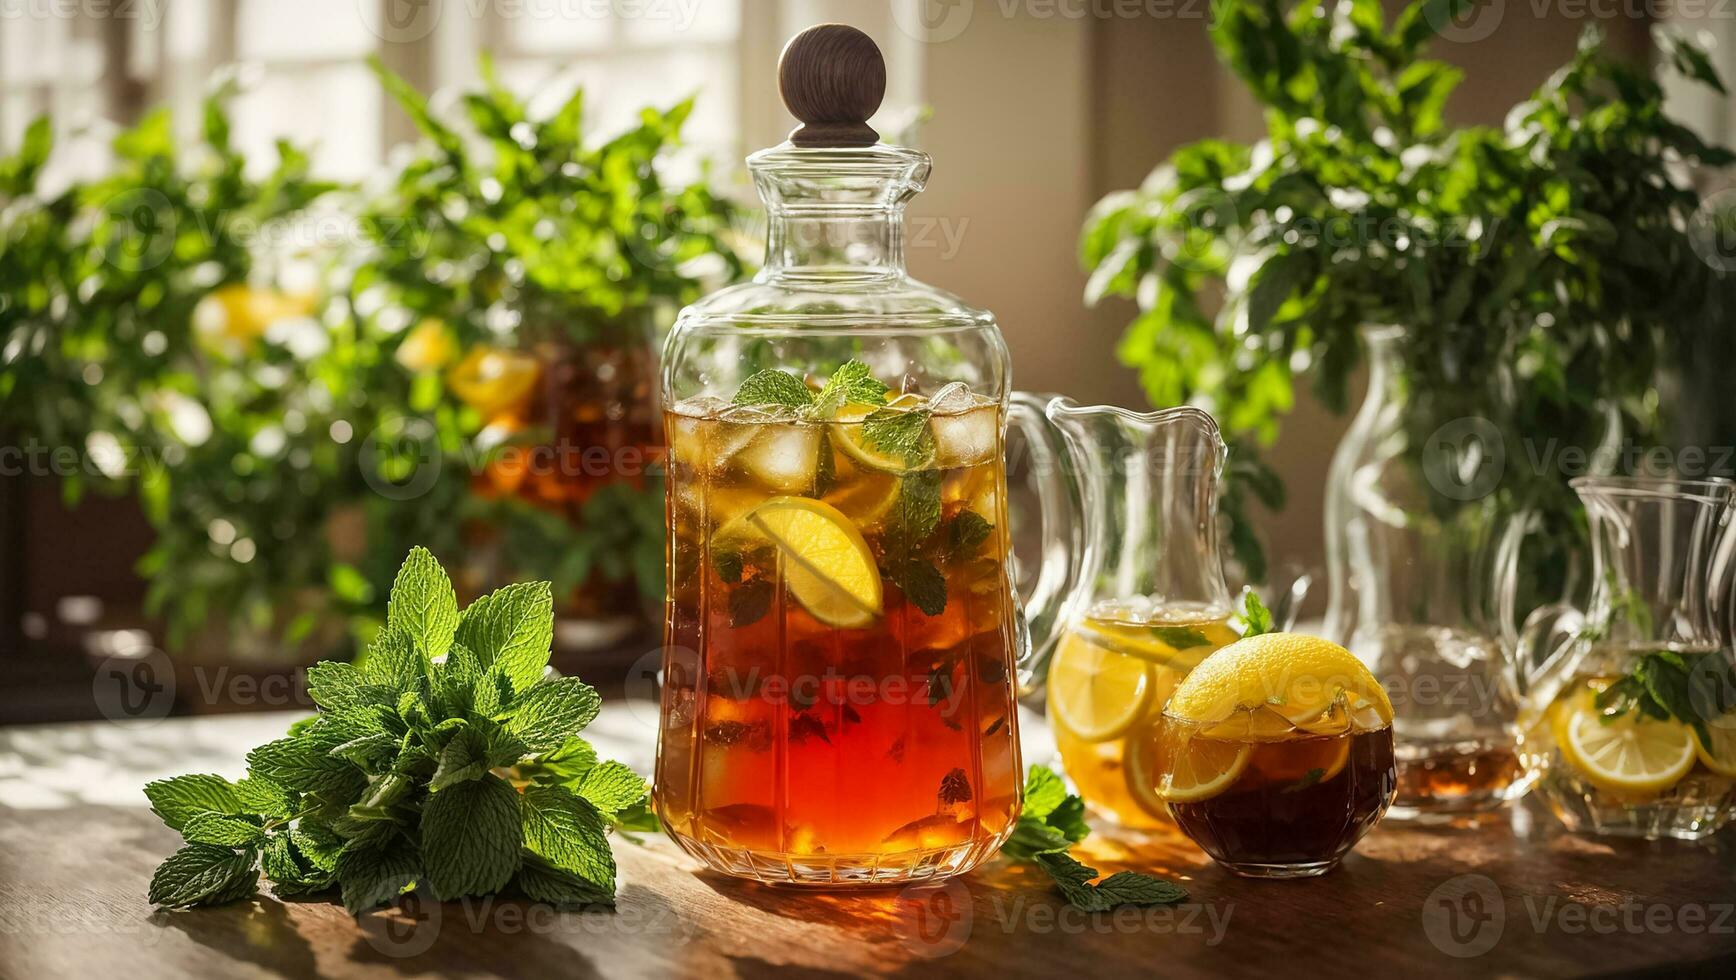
{"x": 1631, "y": 704}
{"x": 1420, "y": 559}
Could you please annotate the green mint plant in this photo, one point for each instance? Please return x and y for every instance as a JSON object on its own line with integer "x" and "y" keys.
{"x": 1051, "y": 822}
{"x": 1696, "y": 689}
{"x": 443, "y": 762}
{"x": 1544, "y": 269}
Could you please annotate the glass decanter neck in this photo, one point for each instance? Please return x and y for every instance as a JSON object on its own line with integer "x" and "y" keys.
{"x": 836, "y": 214}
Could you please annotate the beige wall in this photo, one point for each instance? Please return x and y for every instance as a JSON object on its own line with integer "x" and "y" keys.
{"x": 1037, "y": 114}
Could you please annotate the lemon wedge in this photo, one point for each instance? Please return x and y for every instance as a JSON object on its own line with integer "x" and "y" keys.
{"x": 827, "y": 565}
{"x": 1268, "y": 686}
{"x": 1098, "y": 694}
{"x": 1628, "y": 754}
{"x": 493, "y": 380}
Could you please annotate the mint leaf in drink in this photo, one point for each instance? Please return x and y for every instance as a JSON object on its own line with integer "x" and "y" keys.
{"x": 1255, "y": 617}
{"x": 851, "y": 384}
{"x": 1180, "y": 637}
{"x": 914, "y": 514}
{"x": 965, "y": 533}
{"x": 774, "y": 388}
{"x": 923, "y": 584}
{"x": 226, "y": 831}
{"x": 902, "y": 433}
{"x": 422, "y": 603}
{"x": 514, "y": 627}
{"x": 203, "y": 874}
{"x": 566, "y": 831}
{"x": 749, "y": 602}
{"x": 471, "y": 838}
{"x": 181, "y": 798}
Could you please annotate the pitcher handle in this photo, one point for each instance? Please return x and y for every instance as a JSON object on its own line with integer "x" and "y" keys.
{"x": 1063, "y": 540}
{"x": 1546, "y": 636}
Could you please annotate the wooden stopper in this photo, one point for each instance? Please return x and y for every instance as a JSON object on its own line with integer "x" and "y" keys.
{"x": 832, "y": 78}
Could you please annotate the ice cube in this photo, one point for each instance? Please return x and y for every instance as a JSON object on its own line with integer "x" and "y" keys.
{"x": 952, "y": 399}
{"x": 783, "y": 458}
{"x": 966, "y": 438}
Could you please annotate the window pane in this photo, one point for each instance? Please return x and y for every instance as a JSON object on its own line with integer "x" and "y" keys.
{"x": 306, "y": 29}
{"x": 334, "y": 112}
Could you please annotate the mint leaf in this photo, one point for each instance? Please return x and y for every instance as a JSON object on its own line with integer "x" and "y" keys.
{"x": 851, "y": 384}
{"x": 393, "y": 660}
{"x": 422, "y": 603}
{"x": 371, "y": 875}
{"x": 923, "y": 585}
{"x": 338, "y": 686}
{"x": 179, "y": 799}
{"x": 749, "y": 602}
{"x": 215, "y": 828}
{"x": 203, "y": 874}
{"x": 513, "y": 627}
{"x": 541, "y": 882}
{"x": 611, "y": 787}
{"x": 550, "y": 713}
{"x": 1069, "y": 819}
{"x": 965, "y": 534}
{"x": 1255, "y": 615}
{"x": 902, "y": 433}
{"x": 464, "y": 758}
{"x": 915, "y": 513}
{"x": 261, "y": 796}
{"x": 456, "y": 681}
{"x": 1074, "y": 880}
{"x": 317, "y": 844}
{"x": 305, "y": 763}
{"x": 568, "y": 832}
{"x": 773, "y": 387}
{"x": 1136, "y": 888}
{"x": 1044, "y": 791}
{"x": 289, "y": 872}
{"x": 1180, "y": 637}
{"x": 471, "y": 838}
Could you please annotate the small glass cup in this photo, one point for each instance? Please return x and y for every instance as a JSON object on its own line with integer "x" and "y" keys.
{"x": 1276, "y": 802}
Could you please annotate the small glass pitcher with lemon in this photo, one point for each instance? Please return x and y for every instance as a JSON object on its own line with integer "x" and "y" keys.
{"x": 1631, "y": 703}
{"x": 1145, "y": 599}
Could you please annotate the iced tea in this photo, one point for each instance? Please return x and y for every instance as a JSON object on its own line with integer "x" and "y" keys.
{"x": 839, "y": 678}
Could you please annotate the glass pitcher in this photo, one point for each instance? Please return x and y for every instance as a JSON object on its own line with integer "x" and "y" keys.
{"x": 1143, "y": 598}
{"x": 1630, "y": 711}
{"x": 839, "y": 682}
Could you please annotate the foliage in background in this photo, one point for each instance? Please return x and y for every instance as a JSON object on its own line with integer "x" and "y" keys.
{"x": 444, "y": 762}
{"x": 1540, "y": 267}
{"x": 196, "y": 330}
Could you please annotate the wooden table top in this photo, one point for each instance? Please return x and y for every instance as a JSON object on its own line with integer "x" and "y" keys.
{"x": 1511, "y": 896}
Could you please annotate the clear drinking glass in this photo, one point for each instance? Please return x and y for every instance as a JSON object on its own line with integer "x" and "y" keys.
{"x": 1421, "y": 556}
{"x": 1631, "y": 706}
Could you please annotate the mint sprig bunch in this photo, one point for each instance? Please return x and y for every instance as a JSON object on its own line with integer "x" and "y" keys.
{"x": 1692, "y": 688}
{"x": 443, "y": 761}
{"x": 1051, "y": 822}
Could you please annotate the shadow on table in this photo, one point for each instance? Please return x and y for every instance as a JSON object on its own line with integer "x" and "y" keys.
{"x": 262, "y": 933}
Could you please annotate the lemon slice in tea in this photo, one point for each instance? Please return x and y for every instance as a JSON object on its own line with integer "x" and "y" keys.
{"x": 1159, "y": 774}
{"x": 1097, "y": 694}
{"x": 827, "y": 564}
{"x": 1628, "y": 754}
